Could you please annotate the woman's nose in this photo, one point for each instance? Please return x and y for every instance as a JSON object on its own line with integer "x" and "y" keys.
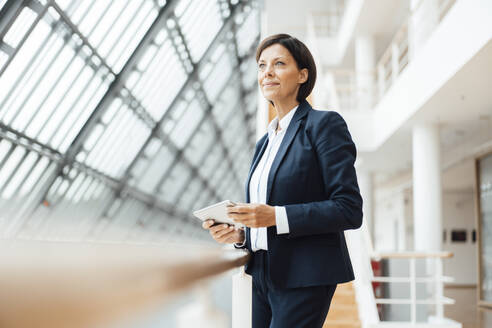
{"x": 269, "y": 70}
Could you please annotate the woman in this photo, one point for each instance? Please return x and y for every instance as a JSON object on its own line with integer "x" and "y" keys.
{"x": 301, "y": 194}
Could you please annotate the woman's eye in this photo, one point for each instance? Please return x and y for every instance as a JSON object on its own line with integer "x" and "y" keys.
{"x": 279, "y": 63}
{"x": 261, "y": 65}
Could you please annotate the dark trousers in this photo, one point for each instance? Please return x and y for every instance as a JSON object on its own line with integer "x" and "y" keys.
{"x": 304, "y": 307}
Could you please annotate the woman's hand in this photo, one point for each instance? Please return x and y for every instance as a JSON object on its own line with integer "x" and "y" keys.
{"x": 224, "y": 233}
{"x": 253, "y": 215}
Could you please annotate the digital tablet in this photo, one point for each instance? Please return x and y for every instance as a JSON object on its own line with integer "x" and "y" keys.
{"x": 217, "y": 212}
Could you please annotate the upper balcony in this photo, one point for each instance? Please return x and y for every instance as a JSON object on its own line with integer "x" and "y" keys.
{"x": 434, "y": 60}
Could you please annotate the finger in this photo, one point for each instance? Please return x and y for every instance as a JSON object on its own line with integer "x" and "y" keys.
{"x": 218, "y": 227}
{"x": 225, "y": 236}
{"x": 224, "y": 232}
{"x": 246, "y": 208}
{"x": 243, "y": 216}
{"x": 240, "y": 216}
{"x": 207, "y": 224}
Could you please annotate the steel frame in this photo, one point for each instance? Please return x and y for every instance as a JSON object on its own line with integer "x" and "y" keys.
{"x": 121, "y": 187}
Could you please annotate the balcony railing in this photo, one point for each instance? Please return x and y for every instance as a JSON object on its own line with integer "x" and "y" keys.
{"x": 349, "y": 95}
{"x": 431, "y": 263}
{"x": 436, "y": 278}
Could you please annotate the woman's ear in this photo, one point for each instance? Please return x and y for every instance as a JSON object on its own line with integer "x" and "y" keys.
{"x": 303, "y": 75}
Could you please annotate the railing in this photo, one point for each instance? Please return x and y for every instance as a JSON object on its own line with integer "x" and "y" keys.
{"x": 396, "y": 57}
{"x": 437, "y": 278}
{"x": 389, "y": 67}
{"x": 393, "y": 61}
{"x": 55, "y": 284}
{"x": 361, "y": 253}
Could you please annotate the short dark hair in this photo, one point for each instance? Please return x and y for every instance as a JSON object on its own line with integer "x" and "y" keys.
{"x": 301, "y": 54}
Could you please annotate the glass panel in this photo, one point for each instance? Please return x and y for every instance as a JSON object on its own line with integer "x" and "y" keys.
{"x": 50, "y": 89}
{"x": 218, "y": 77}
{"x": 174, "y": 183}
{"x": 23, "y": 170}
{"x": 10, "y": 166}
{"x": 117, "y": 145}
{"x": 190, "y": 195}
{"x": 227, "y": 105}
{"x": 19, "y": 27}
{"x": 485, "y": 194}
{"x": 161, "y": 77}
{"x": 211, "y": 162}
{"x": 154, "y": 169}
{"x": 248, "y": 31}
{"x": 34, "y": 176}
{"x": 3, "y": 59}
{"x": 187, "y": 124}
{"x": 250, "y": 73}
{"x": 114, "y": 28}
{"x": 200, "y": 143}
{"x": 200, "y": 23}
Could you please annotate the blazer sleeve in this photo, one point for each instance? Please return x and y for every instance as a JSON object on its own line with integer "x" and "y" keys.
{"x": 341, "y": 208}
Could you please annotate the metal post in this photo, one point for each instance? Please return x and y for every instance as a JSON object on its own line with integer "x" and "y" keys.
{"x": 413, "y": 292}
{"x": 439, "y": 295}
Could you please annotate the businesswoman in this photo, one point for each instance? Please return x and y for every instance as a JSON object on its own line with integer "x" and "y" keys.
{"x": 301, "y": 194}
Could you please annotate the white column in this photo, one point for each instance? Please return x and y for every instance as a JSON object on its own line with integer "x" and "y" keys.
{"x": 365, "y": 180}
{"x": 242, "y": 300}
{"x": 202, "y": 312}
{"x": 364, "y": 71}
{"x": 427, "y": 188}
{"x": 424, "y": 19}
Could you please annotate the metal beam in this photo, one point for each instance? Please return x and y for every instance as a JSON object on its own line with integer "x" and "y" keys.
{"x": 192, "y": 77}
{"x": 113, "y": 90}
{"x": 208, "y": 103}
{"x": 9, "y": 13}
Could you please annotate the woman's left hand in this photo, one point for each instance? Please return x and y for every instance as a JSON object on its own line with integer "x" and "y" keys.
{"x": 253, "y": 215}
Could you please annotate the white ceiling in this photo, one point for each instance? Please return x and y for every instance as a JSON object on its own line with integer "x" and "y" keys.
{"x": 291, "y": 16}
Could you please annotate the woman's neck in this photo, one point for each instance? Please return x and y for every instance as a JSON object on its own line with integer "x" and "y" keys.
{"x": 284, "y": 107}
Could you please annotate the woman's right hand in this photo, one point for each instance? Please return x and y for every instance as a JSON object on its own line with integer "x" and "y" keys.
{"x": 224, "y": 233}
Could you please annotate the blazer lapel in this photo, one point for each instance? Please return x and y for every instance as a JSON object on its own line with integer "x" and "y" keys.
{"x": 256, "y": 160}
{"x": 294, "y": 126}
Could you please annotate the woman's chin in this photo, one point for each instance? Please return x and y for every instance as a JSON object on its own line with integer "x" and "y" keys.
{"x": 270, "y": 96}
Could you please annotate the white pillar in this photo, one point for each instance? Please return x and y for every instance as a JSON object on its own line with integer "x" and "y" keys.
{"x": 364, "y": 71}
{"x": 202, "y": 312}
{"x": 365, "y": 180}
{"x": 424, "y": 19}
{"x": 242, "y": 300}
{"x": 427, "y": 188}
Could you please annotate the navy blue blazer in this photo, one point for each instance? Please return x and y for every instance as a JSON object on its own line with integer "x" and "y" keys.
{"x": 313, "y": 176}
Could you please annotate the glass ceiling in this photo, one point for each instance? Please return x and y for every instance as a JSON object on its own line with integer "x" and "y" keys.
{"x": 119, "y": 118}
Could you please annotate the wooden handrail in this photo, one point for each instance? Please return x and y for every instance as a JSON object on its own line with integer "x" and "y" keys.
{"x": 412, "y": 255}
{"x": 48, "y": 284}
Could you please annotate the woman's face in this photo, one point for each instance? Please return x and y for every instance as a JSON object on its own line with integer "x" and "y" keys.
{"x": 278, "y": 75}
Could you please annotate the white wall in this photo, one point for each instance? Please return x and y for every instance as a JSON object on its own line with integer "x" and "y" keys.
{"x": 459, "y": 213}
{"x": 389, "y": 224}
